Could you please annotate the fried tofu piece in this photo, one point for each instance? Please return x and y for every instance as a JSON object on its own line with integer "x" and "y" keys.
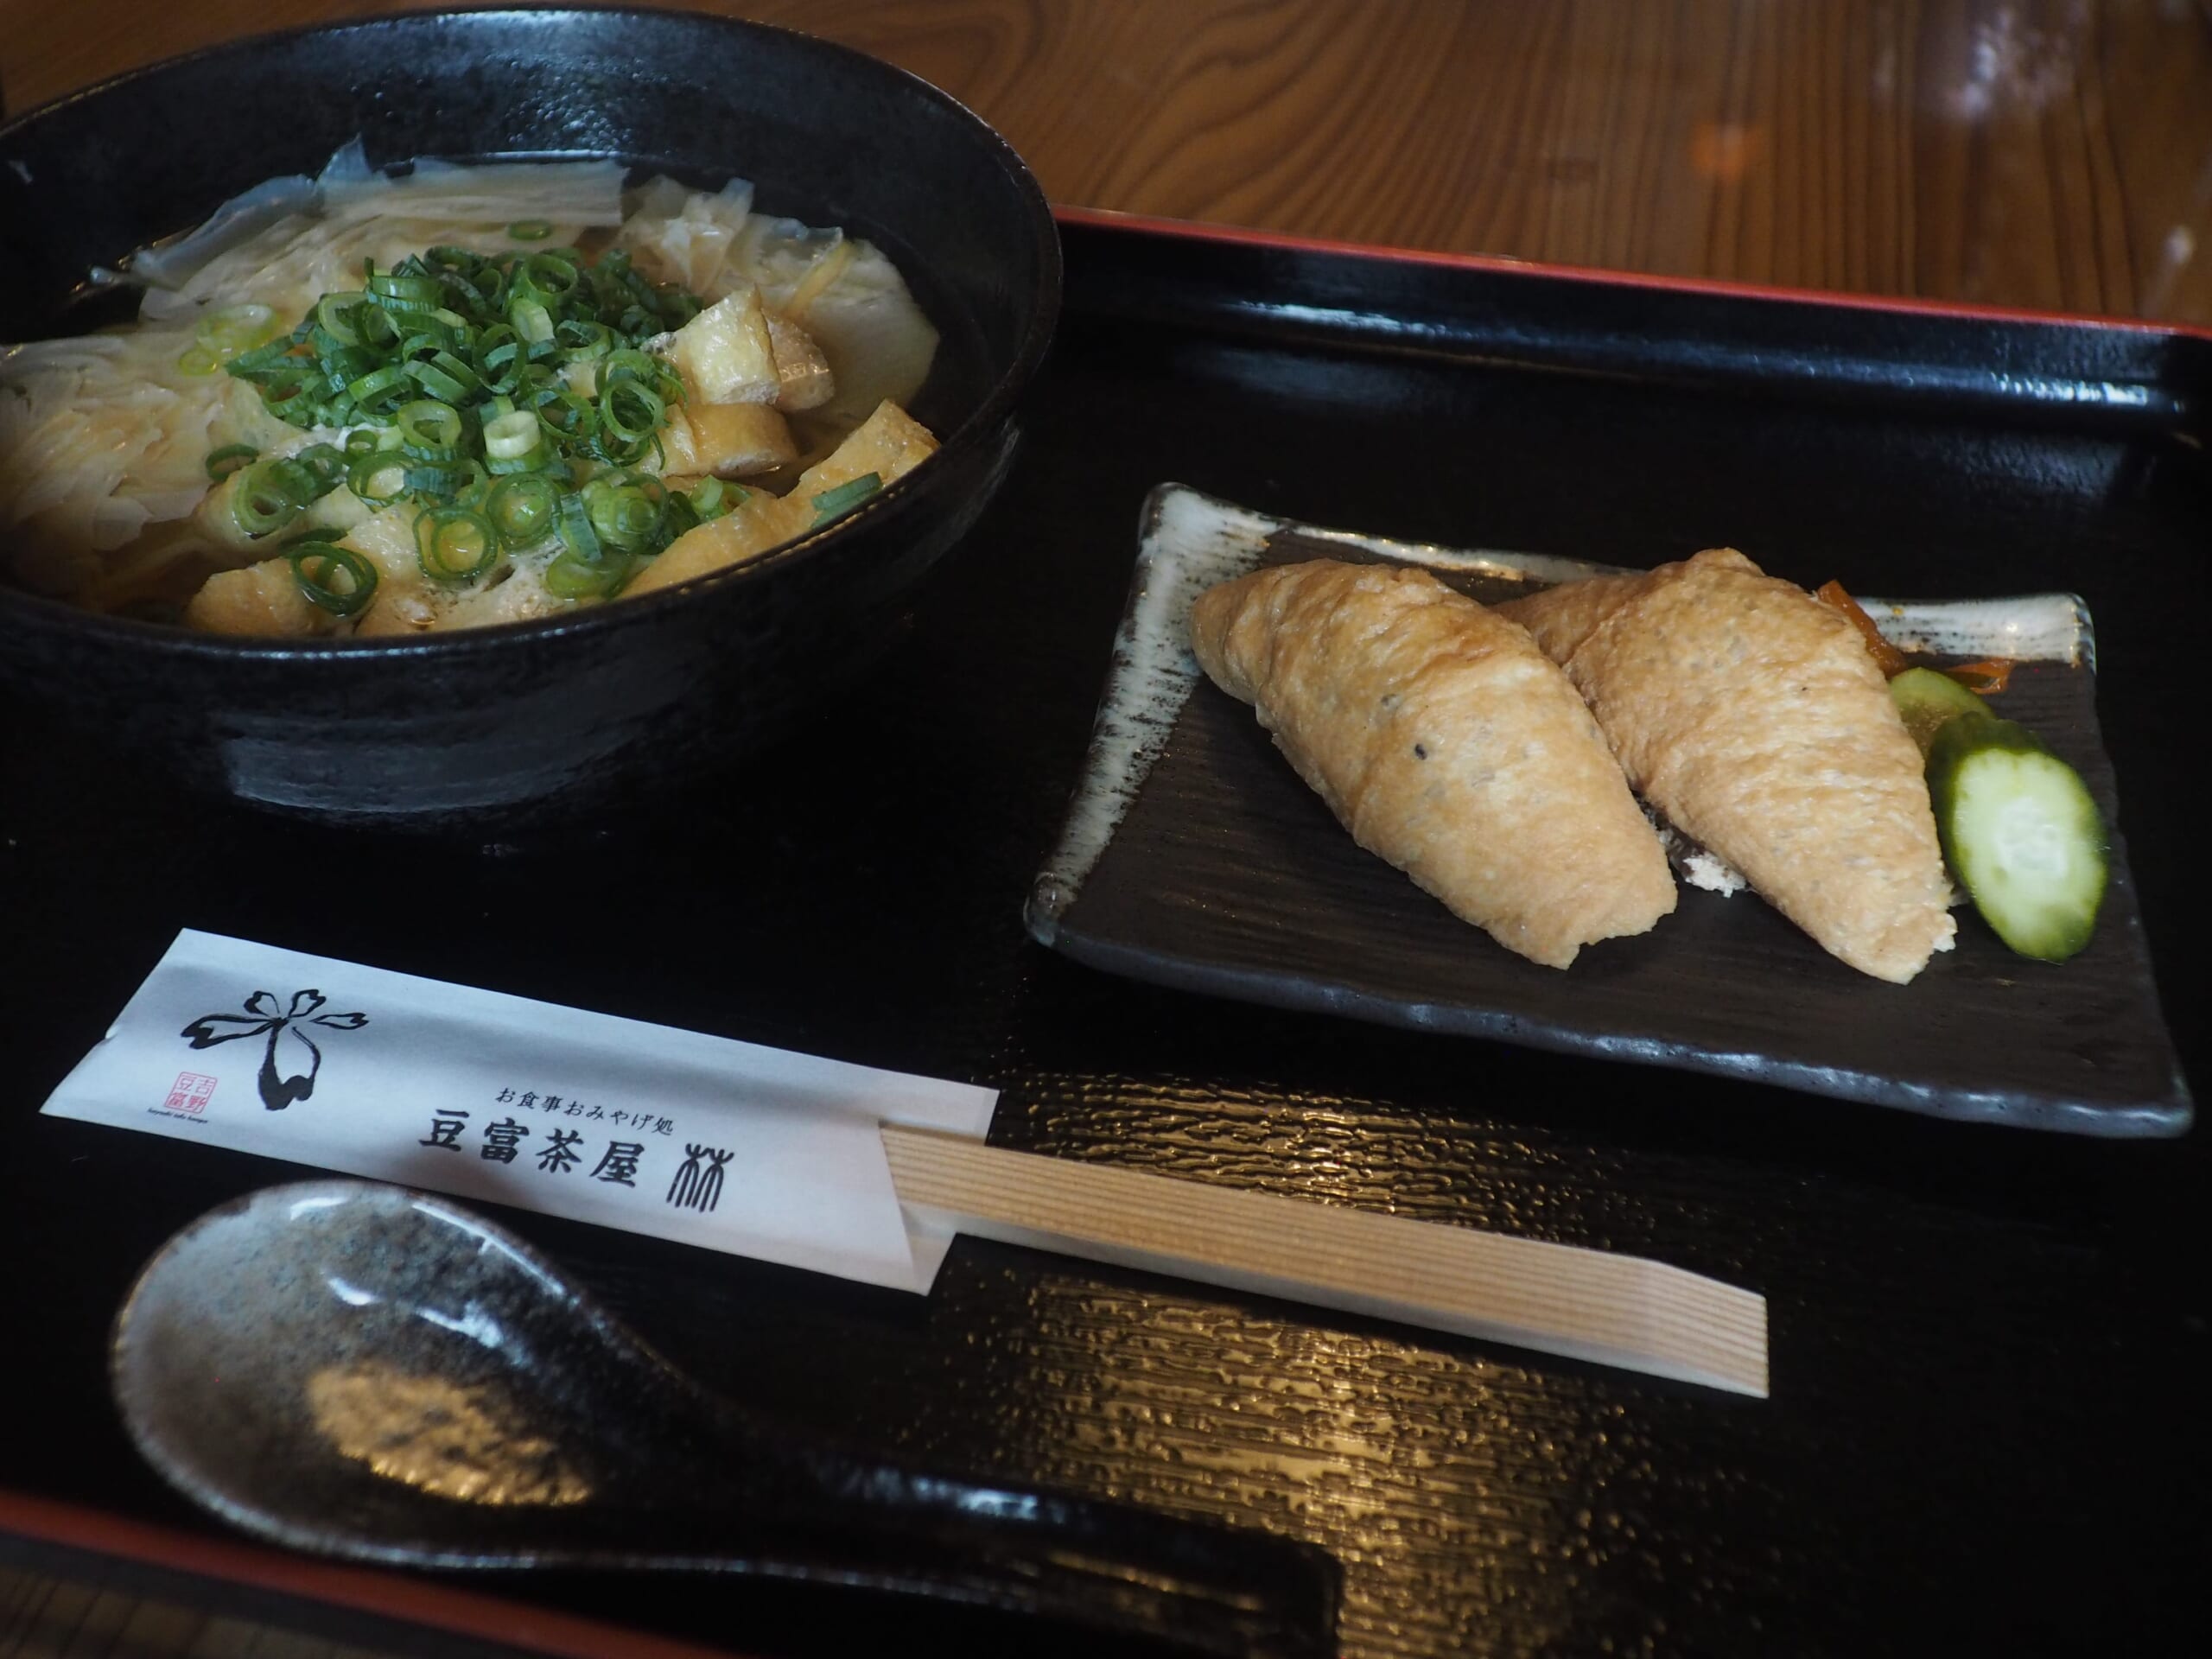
{"x": 216, "y": 519}
{"x": 264, "y": 600}
{"x": 258, "y": 602}
{"x": 1447, "y": 743}
{"x": 519, "y": 596}
{"x": 406, "y": 601}
{"x": 725, "y": 353}
{"x": 728, "y": 440}
{"x": 890, "y": 443}
{"x": 1753, "y": 716}
{"x": 803, "y": 371}
{"x": 755, "y": 525}
{"x": 737, "y": 352}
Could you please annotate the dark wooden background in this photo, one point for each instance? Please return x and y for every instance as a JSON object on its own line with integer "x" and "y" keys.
{"x": 2041, "y": 153}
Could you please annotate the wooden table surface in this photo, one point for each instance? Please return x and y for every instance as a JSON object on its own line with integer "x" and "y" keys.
{"x": 2041, "y": 153}
{"x": 2054, "y": 154}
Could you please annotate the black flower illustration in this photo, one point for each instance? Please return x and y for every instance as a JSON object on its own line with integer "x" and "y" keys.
{"x": 291, "y": 1078}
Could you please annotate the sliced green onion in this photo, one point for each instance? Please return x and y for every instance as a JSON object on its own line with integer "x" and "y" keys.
{"x": 236, "y": 328}
{"x": 629, "y": 412}
{"x": 372, "y": 391}
{"x": 681, "y": 518}
{"x": 476, "y": 478}
{"x": 378, "y": 329}
{"x": 444, "y": 479}
{"x": 522, "y": 508}
{"x": 530, "y": 230}
{"x": 448, "y": 364}
{"x": 536, "y": 459}
{"x": 551, "y": 274}
{"x": 498, "y": 357}
{"x": 715, "y": 497}
{"x": 397, "y": 293}
{"x": 260, "y": 504}
{"x": 573, "y": 520}
{"x": 568, "y": 417}
{"x": 831, "y": 503}
{"x": 343, "y": 365}
{"x": 454, "y": 545}
{"x": 222, "y": 462}
{"x": 531, "y": 321}
{"x": 449, "y": 367}
{"x": 629, "y": 364}
{"x": 289, "y": 401}
{"x": 335, "y": 578}
{"x": 340, "y": 316}
{"x": 251, "y": 321}
{"x": 625, "y": 513}
{"x": 510, "y": 437}
{"x": 376, "y": 478}
{"x": 430, "y": 431}
{"x": 198, "y": 360}
{"x": 278, "y": 354}
{"x": 572, "y": 577}
{"x": 435, "y": 379}
{"x": 329, "y": 466}
{"x": 582, "y": 341}
{"x": 295, "y": 478}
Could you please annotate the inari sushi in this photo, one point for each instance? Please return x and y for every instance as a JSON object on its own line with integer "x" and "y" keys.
{"x": 1447, "y": 743}
{"x": 1753, "y": 716}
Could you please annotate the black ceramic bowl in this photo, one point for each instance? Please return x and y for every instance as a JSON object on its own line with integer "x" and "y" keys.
{"x": 535, "y": 718}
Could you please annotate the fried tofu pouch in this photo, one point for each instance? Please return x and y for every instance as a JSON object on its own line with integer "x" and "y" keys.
{"x": 1447, "y": 743}
{"x": 1752, "y": 714}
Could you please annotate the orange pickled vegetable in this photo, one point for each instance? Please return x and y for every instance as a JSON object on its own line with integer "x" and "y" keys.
{"x": 1985, "y": 679}
{"x": 1887, "y": 657}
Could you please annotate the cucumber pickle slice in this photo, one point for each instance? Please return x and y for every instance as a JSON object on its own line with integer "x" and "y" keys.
{"x": 2020, "y": 832}
{"x": 1926, "y": 700}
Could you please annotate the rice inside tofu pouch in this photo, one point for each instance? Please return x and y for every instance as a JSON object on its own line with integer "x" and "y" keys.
{"x": 677, "y": 1134}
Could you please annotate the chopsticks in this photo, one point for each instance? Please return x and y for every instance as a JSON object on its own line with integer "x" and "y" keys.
{"x": 1621, "y": 1310}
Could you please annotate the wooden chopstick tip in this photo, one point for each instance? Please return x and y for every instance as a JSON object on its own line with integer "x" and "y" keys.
{"x": 1630, "y": 1312}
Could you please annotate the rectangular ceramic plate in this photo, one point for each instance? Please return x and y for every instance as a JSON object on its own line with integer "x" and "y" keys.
{"x": 1192, "y": 856}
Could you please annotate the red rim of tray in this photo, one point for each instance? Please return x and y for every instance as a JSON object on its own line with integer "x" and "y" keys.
{"x": 511, "y": 1624}
{"x": 1510, "y": 265}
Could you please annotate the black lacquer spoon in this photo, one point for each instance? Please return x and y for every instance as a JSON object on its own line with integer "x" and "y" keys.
{"x": 365, "y": 1372}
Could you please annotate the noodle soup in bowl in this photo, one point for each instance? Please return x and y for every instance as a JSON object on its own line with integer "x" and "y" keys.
{"x": 516, "y": 521}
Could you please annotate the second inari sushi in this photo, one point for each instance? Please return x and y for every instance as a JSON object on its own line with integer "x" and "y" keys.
{"x": 1752, "y": 714}
{"x": 1447, "y": 743}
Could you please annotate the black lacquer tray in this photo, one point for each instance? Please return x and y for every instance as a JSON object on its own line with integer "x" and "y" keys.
{"x": 1990, "y": 1349}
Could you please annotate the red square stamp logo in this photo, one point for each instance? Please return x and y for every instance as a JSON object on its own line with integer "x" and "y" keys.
{"x": 190, "y": 1092}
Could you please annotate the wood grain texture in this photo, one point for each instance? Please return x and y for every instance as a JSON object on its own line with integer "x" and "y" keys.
{"x": 1617, "y": 1310}
{"x": 2043, "y": 153}
{"x": 2040, "y": 153}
